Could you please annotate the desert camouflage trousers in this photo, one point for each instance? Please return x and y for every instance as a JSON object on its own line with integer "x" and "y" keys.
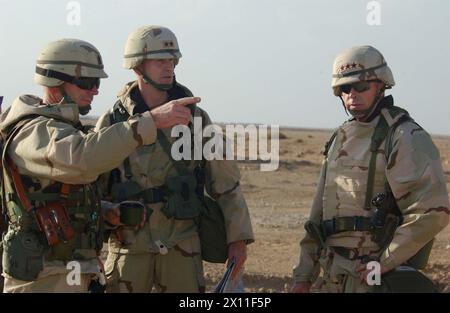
{"x": 175, "y": 272}
{"x": 339, "y": 275}
{"x": 56, "y": 276}
{"x": 47, "y": 284}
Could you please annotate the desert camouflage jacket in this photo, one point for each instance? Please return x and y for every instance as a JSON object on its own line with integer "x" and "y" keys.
{"x": 53, "y": 147}
{"x": 150, "y": 167}
{"x": 414, "y": 173}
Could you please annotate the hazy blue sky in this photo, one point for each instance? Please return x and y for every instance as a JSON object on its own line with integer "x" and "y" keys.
{"x": 250, "y": 60}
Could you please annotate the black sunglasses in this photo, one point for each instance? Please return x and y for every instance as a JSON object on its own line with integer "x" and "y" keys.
{"x": 358, "y": 87}
{"x": 86, "y": 83}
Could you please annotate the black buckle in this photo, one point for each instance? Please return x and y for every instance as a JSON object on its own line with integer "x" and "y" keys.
{"x": 329, "y": 227}
{"x": 356, "y": 223}
{"x": 46, "y": 72}
{"x": 153, "y": 195}
{"x": 333, "y": 225}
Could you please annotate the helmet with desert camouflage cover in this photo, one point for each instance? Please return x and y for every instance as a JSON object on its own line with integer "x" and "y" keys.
{"x": 150, "y": 42}
{"x": 361, "y": 63}
{"x": 147, "y": 43}
{"x": 66, "y": 60}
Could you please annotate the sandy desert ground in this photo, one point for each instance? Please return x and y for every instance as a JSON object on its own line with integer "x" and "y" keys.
{"x": 279, "y": 203}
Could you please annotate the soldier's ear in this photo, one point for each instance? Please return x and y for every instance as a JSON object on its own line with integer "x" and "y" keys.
{"x": 55, "y": 92}
{"x": 138, "y": 70}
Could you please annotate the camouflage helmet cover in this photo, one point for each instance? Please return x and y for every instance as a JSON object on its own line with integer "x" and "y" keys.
{"x": 150, "y": 42}
{"x": 360, "y": 63}
{"x": 73, "y": 57}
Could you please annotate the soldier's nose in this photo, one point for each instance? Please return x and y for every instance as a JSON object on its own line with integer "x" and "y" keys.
{"x": 94, "y": 90}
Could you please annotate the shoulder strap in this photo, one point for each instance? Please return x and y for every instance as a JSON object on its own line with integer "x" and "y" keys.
{"x": 176, "y": 92}
{"x": 328, "y": 145}
{"x": 378, "y": 136}
{"x": 118, "y": 115}
{"x": 330, "y": 142}
{"x": 7, "y": 163}
{"x": 180, "y": 166}
{"x": 382, "y": 131}
{"x": 389, "y": 145}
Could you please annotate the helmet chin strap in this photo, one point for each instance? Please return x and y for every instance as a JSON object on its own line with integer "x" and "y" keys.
{"x": 83, "y": 110}
{"x": 65, "y": 97}
{"x": 162, "y": 87}
{"x": 343, "y": 104}
{"x": 365, "y": 114}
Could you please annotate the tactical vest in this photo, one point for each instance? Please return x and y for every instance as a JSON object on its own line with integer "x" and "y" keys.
{"x": 185, "y": 183}
{"x": 183, "y": 195}
{"x": 59, "y": 222}
{"x": 386, "y": 217}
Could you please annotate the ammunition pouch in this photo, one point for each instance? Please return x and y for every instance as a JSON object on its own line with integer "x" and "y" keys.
{"x": 405, "y": 279}
{"x": 212, "y": 232}
{"x": 182, "y": 201}
{"x": 54, "y": 222}
{"x": 70, "y": 226}
{"x": 23, "y": 256}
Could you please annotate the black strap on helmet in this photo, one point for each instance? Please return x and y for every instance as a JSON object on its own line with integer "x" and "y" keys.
{"x": 54, "y": 74}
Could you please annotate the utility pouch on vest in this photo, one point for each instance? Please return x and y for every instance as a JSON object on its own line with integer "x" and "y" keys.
{"x": 183, "y": 203}
{"x": 212, "y": 232}
{"x": 54, "y": 221}
{"x": 23, "y": 254}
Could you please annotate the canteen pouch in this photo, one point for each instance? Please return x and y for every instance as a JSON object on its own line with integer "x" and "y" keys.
{"x": 23, "y": 255}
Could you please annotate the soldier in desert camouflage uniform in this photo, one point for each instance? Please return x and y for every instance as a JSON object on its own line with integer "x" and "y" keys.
{"x": 380, "y": 150}
{"x": 165, "y": 253}
{"x": 50, "y": 164}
